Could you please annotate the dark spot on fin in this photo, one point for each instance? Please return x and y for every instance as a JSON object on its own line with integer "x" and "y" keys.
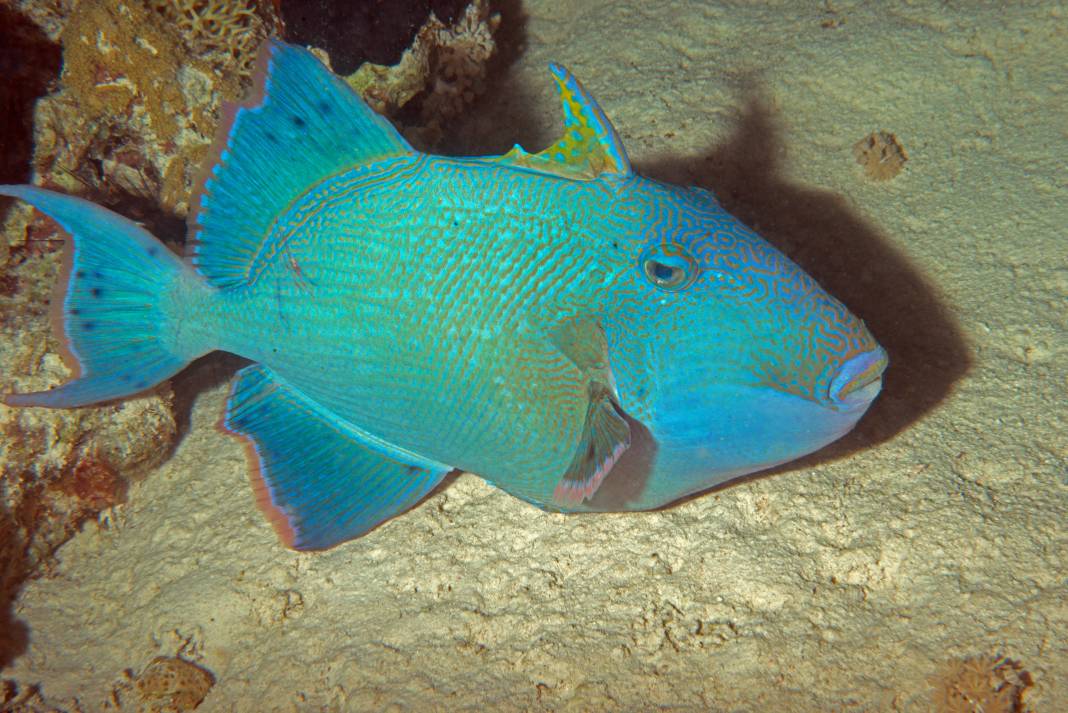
{"x": 111, "y": 305}
{"x": 277, "y": 146}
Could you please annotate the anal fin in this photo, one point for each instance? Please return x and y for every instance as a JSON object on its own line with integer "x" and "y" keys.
{"x": 320, "y": 479}
{"x": 605, "y": 437}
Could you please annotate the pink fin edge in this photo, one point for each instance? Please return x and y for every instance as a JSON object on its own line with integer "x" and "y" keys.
{"x": 282, "y": 527}
{"x": 227, "y": 116}
{"x": 57, "y": 320}
{"x": 575, "y": 493}
{"x": 56, "y": 316}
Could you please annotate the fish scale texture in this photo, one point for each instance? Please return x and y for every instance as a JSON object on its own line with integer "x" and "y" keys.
{"x": 419, "y": 230}
{"x": 842, "y": 583}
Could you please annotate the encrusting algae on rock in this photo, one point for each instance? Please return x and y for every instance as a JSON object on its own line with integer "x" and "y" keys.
{"x": 222, "y": 32}
{"x": 170, "y": 684}
{"x": 881, "y": 155}
{"x": 981, "y": 684}
{"x": 140, "y": 98}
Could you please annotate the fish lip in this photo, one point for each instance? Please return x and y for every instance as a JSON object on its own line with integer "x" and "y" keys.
{"x": 858, "y": 380}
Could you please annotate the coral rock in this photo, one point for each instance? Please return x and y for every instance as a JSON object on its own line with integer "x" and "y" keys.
{"x": 446, "y": 64}
{"x": 984, "y": 684}
{"x": 172, "y": 685}
{"x": 881, "y": 155}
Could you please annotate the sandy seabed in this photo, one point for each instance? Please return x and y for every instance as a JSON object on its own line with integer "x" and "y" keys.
{"x": 934, "y": 533}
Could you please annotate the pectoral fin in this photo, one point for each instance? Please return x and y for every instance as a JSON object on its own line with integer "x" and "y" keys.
{"x": 605, "y": 437}
{"x": 582, "y": 340}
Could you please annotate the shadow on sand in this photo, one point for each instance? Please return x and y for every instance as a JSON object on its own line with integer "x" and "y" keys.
{"x": 851, "y": 258}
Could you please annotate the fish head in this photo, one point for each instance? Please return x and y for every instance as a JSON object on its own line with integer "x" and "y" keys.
{"x": 731, "y": 356}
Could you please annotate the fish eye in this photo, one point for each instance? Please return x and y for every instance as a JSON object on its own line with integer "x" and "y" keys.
{"x": 669, "y": 268}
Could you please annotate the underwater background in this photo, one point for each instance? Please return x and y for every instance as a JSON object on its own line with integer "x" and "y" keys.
{"x": 909, "y": 155}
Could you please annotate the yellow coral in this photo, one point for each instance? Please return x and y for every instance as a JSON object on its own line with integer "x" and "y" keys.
{"x": 140, "y": 97}
{"x": 233, "y": 27}
{"x": 118, "y": 64}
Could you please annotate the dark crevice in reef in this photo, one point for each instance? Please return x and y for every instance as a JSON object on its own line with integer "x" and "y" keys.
{"x": 29, "y": 63}
{"x": 14, "y": 569}
{"x": 352, "y": 33}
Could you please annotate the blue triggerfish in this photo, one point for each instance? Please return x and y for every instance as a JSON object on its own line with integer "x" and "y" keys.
{"x": 580, "y": 336}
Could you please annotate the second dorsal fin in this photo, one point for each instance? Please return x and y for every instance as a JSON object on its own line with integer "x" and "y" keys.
{"x": 589, "y": 147}
{"x": 304, "y": 126}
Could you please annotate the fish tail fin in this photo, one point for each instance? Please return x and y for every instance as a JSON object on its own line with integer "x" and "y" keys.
{"x": 112, "y": 307}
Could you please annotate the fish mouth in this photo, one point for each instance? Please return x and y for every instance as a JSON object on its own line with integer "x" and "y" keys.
{"x": 859, "y": 379}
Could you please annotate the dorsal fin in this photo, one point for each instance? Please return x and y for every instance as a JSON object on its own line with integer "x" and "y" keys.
{"x": 301, "y": 126}
{"x": 589, "y": 147}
